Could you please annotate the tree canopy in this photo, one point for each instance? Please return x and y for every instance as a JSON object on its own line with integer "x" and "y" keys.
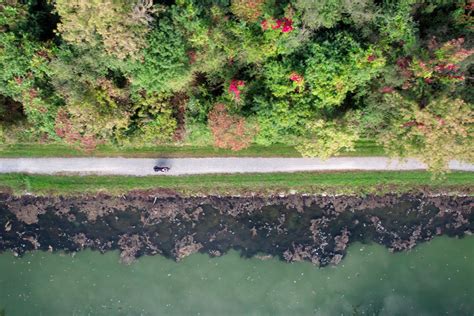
{"x": 314, "y": 74}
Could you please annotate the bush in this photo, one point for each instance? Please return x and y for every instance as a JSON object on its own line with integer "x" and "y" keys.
{"x": 198, "y": 134}
{"x": 229, "y": 131}
{"x": 2, "y": 135}
{"x": 279, "y": 121}
{"x": 160, "y": 130}
{"x": 101, "y": 119}
{"x": 327, "y": 139}
{"x": 154, "y": 120}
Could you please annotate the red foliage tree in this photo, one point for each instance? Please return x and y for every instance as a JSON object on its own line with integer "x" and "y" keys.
{"x": 285, "y": 25}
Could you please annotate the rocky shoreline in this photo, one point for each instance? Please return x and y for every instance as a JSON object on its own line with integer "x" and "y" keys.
{"x": 293, "y": 228}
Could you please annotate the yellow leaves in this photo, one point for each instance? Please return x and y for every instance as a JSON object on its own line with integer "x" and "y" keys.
{"x": 113, "y": 24}
{"x": 339, "y": 84}
{"x": 247, "y": 10}
{"x": 436, "y": 134}
{"x": 101, "y": 119}
{"x": 327, "y": 139}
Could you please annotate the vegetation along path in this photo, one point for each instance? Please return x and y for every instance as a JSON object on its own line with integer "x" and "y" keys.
{"x": 181, "y": 166}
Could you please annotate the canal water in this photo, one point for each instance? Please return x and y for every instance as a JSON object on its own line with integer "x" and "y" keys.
{"x": 435, "y": 278}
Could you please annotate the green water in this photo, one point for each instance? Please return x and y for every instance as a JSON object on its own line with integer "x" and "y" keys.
{"x": 436, "y": 278}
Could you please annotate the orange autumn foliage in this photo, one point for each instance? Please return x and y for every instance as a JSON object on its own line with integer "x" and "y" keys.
{"x": 229, "y": 131}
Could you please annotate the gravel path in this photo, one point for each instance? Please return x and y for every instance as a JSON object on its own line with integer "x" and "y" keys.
{"x": 180, "y": 166}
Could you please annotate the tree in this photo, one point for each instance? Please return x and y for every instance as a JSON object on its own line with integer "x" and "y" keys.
{"x": 165, "y": 65}
{"x": 247, "y": 10}
{"x": 327, "y": 139}
{"x": 339, "y": 65}
{"x": 24, "y": 71}
{"x": 117, "y": 25}
{"x": 397, "y": 25}
{"x": 327, "y": 13}
{"x": 78, "y": 71}
{"x": 436, "y": 134}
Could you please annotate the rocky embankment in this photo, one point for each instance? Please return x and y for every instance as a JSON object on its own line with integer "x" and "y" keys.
{"x": 293, "y": 228}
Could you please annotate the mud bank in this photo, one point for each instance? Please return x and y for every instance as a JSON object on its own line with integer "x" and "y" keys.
{"x": 292, "y": 228}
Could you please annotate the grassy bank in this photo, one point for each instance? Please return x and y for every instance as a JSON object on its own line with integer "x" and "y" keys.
{"x": 363, "y": 148}
{"x": 303, "y": 182}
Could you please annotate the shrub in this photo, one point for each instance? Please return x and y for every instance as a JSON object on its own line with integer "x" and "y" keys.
{"x": 281, "y": 121}
{"x": 198, "y": 134}
{"x": 235, "y": 88}
{"x": 98, "y": 119}
{"x": 161, "y": 129}
{"x": 70, "y": 134}
{"x": 2, "y": 135}
{"x": 154, "y": 119}
{"x": 229, "y": 131}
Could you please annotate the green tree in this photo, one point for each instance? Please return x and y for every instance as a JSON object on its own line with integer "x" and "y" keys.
{"x": 165, "y": 65}
{"x": 327, "y": 13}
{"x": 397, "y": 25}
{"x": 339, "y": 65}
{"x": 24, "y": 71}
{"x": 78, "y": 71}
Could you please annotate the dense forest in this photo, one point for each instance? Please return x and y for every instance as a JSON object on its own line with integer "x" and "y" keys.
{"x": 316, "y": 74}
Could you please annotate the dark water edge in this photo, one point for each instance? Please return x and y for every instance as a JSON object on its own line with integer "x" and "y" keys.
{"x": 292, "y": 228}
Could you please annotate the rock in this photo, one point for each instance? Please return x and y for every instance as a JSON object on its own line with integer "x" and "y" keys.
{"x": 8, "y": 226}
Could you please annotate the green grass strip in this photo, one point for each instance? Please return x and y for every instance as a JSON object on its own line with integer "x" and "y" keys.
{"x": 301, "y": 182}
{"x": 363, "y": 148}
